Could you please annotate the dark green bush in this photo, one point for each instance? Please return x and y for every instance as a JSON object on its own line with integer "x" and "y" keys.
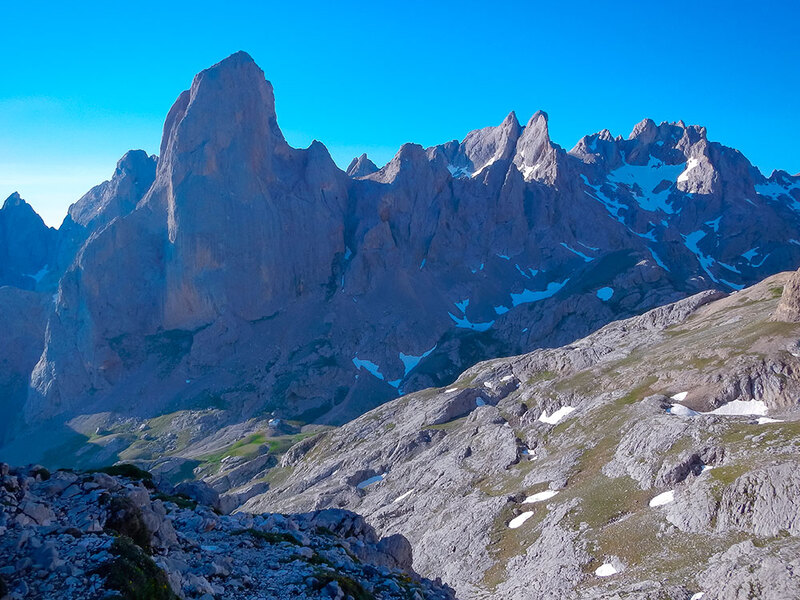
{"x": 129, "y": 471}
{"x": 125, "y": 519}
{"x": 134, "y": 574}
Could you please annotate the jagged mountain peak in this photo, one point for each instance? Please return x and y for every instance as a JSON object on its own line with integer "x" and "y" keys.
{"x": 361, "y": 167}
{"x": 132, "y": 178}
{"x": 13, "y": 200}
{"x": 228, "y": 113}
{"x": 536, "y": 156}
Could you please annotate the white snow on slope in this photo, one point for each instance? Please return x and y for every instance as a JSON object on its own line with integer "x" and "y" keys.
{"x": 741, "y": 407}
{"x": 663, "y": 499}
{"x": 690, "y": 164}
{"x": 465, "y": 323}
{"x": 457, "y": 172}
{"x": 680, "y": 396}
{"x": 682, "y": 411}
{"x": 766, "y": 420}
{"x": 371, "y": 481}
{"x": 367, "y": 365}
{"x": 520, "y": 519}
{"x": 410, "y": 361}
{"x": 658, "y": 260}
{"x": 534, "y": 296}
{"x": 540, "y": 497}
{"x": 579, "y": 253}
{"x": 403, "y": 497}
{"x": 605, "y": 293}
{"x": 648, "y": 178}
{"x": 605, "y": 570}
{"x": 556, "y": 416}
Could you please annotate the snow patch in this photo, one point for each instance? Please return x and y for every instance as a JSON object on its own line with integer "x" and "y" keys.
{"x": 581, "y": 254}
{"x": 465, "y": 323}
{"x": 556, "y": 416}
{"x": 457, "y": 172}
{"x": 690, "y": 164}
{"x": 741, "y": 407}
{"x": 605, "y": 570}
{"x": 680, "y": 396}
{"x": 605, "y": 293}
{"x": 527, "y": 296}
{"x": 403, "y": 497}
{"x": 368, "y": 365}
{"x": 410, "y": 361}
{"x": 682, "y": 411}
{"x": 39, "y": 275}
{"x": 663, "y": 499}
{"x": 765, "y": 420}
{"x": 520, "y": 519}
{"x": 540, "y": 497}
{"x": 659, "y": 262}
{"x": 452, "y": 389}
{"x": 643, "y": 180}
{"x": 371, "y": 481}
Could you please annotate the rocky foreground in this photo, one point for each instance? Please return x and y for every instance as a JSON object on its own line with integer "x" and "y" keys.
{"x": 75, "y": 535}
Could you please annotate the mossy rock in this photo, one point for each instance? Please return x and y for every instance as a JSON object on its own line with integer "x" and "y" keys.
{"x": 134, "y": 574}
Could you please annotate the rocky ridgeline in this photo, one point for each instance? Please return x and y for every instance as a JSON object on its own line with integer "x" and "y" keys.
{"x": 111, "y": 534}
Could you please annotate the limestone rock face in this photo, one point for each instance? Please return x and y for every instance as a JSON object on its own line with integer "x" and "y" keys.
{"x": 789, "y": 306}
{"x": 23, "y": 317}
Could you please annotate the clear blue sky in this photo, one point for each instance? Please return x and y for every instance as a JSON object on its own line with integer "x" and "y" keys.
{"x": 82, "y": 82}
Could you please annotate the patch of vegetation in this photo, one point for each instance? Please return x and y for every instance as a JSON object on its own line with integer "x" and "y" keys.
{"x": 280, "y": 444}
{"x": 180, "y": 500}
{"x": 505, "y": 543}
{"x": 125, "y": 519}
{"x": 134, "y": 574}
{"x": 349, "y": 586}
{"x": 728, "y": 474}
{"x": 247, "y": 447}
{"x": 270, "y": 537}
{"x": 127, "y": 470}
{"x": 42, "y": 474}
{"x": 540, "y": 376}
{"x": 605, "y": 500}
{"x": 638, "y": 393}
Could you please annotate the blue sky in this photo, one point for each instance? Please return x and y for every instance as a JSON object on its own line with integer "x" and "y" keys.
{"x": 81, "y": 83}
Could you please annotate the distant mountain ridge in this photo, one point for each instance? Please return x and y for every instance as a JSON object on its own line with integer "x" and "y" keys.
{"x": 240, "y": 275}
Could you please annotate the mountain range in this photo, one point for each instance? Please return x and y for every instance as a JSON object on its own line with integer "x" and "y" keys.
{"x": 554, "y": 373}
{"x": 238, "y": 273}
